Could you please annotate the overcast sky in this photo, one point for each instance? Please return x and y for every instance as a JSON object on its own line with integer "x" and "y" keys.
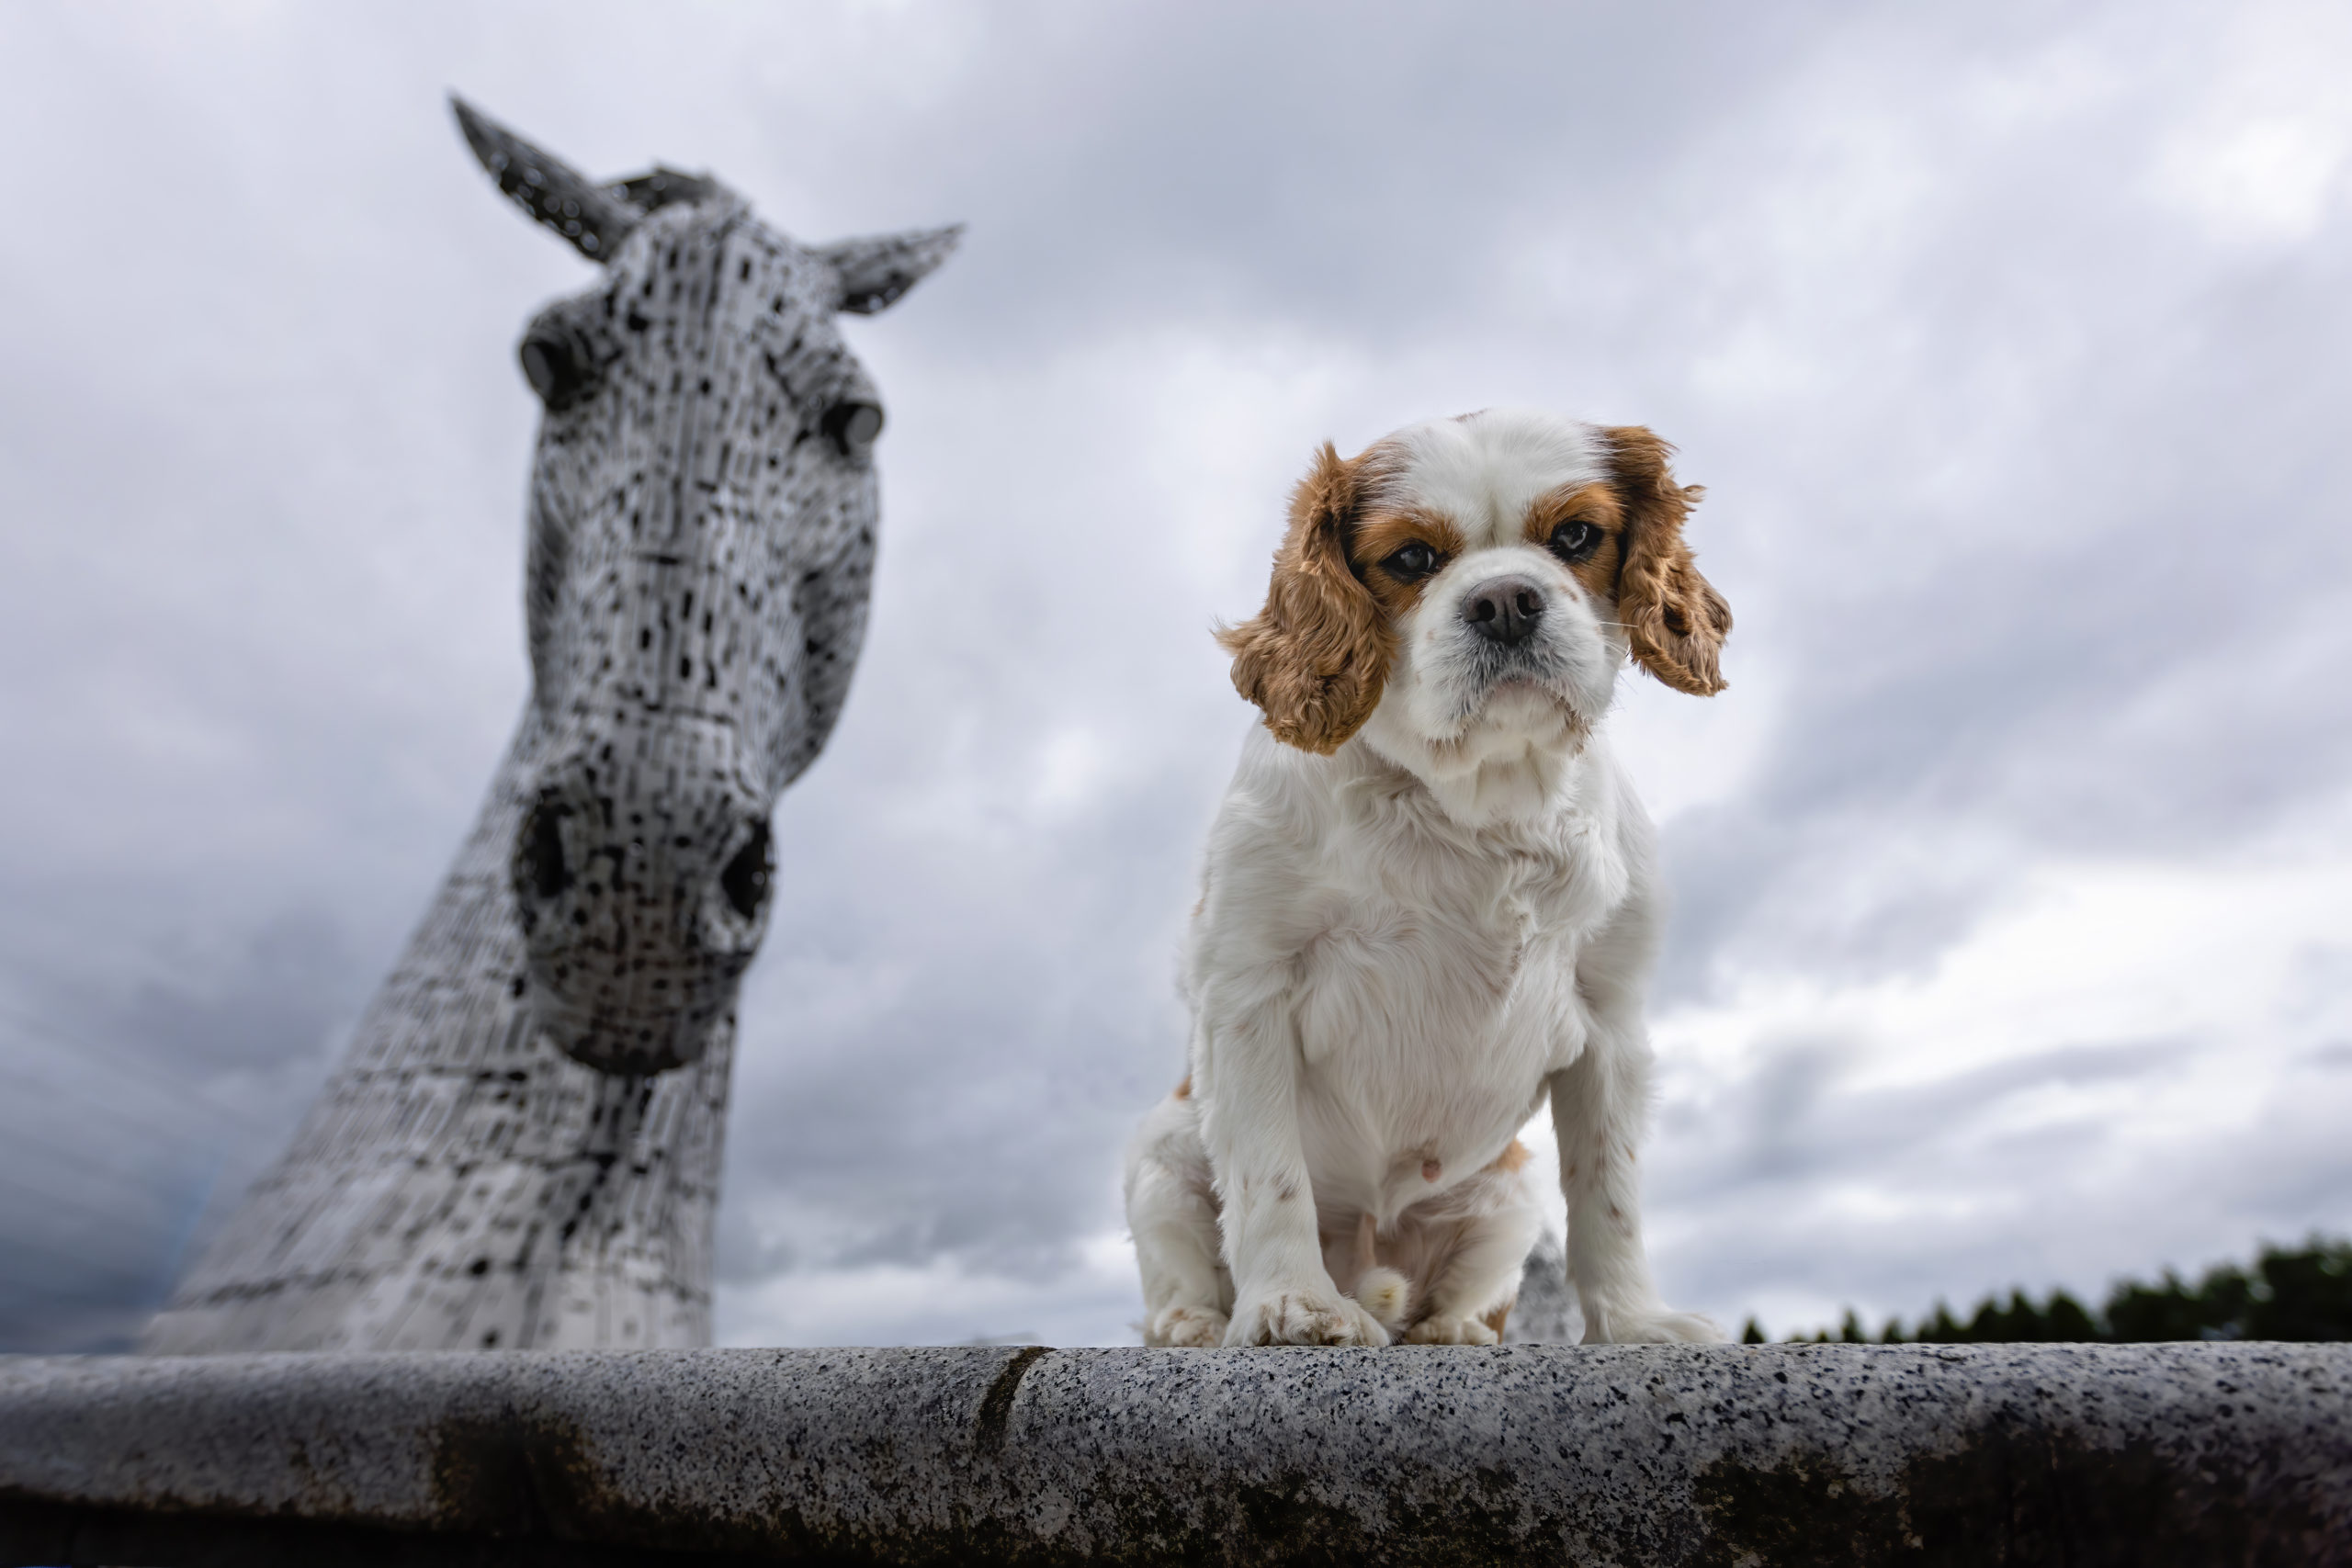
{"x": 2013, "y": 940}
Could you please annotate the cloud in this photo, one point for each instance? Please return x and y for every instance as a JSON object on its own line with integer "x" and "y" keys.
{"x": 2128, "y": 1065}
{"x": 129, "y": 1124}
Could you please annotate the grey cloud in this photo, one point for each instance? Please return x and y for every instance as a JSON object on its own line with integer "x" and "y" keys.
{"x": 972, "y": 1111}
{"x": 2161, "y": 685}
{"x": 294, "y": 983}
{"x": 1793, "y": 1123}
{"x": 1324, "y": 163}
{"x": 127, "y": 1124}
{"x": 2072, "y": 1201}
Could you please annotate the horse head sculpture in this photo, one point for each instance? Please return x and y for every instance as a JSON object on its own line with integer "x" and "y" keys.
{"x": 702, "y": 522}
{"x": 521, "y": 1146}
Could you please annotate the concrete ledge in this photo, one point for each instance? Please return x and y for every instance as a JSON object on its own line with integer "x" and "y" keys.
{"x": 1720, "y": 1455}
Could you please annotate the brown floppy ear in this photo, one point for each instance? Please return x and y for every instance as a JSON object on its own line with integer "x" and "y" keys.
{"x": 1674, "y": 618}
{"x": 1316, "y": 657}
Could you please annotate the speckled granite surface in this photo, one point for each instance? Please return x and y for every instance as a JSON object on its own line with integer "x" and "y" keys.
{"x": 1633, "y": 1455}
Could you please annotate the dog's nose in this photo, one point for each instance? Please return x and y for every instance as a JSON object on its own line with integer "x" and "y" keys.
{"x": 1504, "y": 609}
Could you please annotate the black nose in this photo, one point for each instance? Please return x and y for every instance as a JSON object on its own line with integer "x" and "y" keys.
{"x": 1504, "y": 609}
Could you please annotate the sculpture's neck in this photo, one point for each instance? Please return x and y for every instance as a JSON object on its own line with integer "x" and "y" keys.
{"x": 460, "y": 1182}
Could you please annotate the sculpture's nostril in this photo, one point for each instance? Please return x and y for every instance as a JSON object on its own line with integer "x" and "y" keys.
{"x": 543, "y": 852}
{"x": 745, "y": 880}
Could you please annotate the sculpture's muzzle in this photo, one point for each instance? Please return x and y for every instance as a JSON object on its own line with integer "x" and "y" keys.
{"x": 641, "y": 907}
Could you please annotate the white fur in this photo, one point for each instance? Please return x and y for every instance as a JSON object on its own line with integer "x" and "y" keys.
{"x": 1401, "y": 950}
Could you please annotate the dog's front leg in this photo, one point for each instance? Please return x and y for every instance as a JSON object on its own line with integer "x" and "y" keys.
{"x": 1598, "y": 1104}
{"x": 1249, "y": 1085}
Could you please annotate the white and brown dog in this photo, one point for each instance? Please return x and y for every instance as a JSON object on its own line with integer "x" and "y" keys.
{"x": 1430, "y": 900}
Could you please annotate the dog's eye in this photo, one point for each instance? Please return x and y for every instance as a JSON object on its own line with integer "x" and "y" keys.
{"x": 1573, "y": 541}
{"x": 1415, "y": 560}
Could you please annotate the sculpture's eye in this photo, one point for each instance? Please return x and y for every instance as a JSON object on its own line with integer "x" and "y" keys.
{"x": 1414, "y": 562}
{"x": 558, "y": 366}
{"x": 745, "y": 879}
{"x": 1573, "y": 541}
{"x": 852, "y": 426}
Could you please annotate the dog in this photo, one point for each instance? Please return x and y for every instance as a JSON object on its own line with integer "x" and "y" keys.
{"x": 1430, "y": 900}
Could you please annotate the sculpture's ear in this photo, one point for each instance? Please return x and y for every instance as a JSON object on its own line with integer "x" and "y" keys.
{"x": 1674, "y": 618}
{"x": 878, "y": 268}
{"x": 1316, "y": 657}
{"x": 661, "y": 187}
{"x": 594, "y": 218}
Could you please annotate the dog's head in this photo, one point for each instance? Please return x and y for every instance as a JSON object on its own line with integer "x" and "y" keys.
{"x": 1464, "y": 591}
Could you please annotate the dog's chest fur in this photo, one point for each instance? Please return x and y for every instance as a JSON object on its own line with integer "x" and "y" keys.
{"x": 1436, "y": 985}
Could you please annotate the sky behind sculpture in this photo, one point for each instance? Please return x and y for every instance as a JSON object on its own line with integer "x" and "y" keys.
{"x": 2014, "y": 871}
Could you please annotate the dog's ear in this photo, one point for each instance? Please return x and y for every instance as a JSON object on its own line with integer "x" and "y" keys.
{"x": 1315, "y": 659}
{"x": 1674, "y": 618}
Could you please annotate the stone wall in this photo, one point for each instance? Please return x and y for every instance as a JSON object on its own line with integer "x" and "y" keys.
{"x": 2142, "y": 1455}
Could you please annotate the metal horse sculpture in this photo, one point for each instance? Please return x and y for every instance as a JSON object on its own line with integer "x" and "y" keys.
{"x": 522, "y": 1146}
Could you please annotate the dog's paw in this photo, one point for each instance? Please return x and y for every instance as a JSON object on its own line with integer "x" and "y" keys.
{"x": 1302, "y": 1317}
{"x": 1444, "y": 1330}
{"x": 1659, "y": 1328}
{"x": 1186, "y": 1327}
